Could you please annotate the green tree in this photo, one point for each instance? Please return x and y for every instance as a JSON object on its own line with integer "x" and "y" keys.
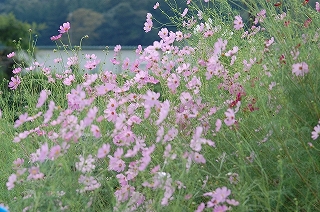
{"x": 84, "y": 22}
{"x": 13, "y": 34}
{"x": 13, "y": 31}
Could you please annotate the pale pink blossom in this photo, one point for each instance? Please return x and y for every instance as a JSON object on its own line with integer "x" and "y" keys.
{"x": 202, "y": 206}
{"x": 64, "y": 28}
{"x": 43, "y": 97}
{"x": 232, "y": 202}
{"x": 238, "y": 23}
{"x": 299, "y": 69}
{"x": 10, "y": 55}
{"x": 198, "y": 158}
{"x": 151, "y": 98}
{"x": 117, "y": 48}
{"x": 11, "y": 180}
{"x": 91, "y": 57}
{"x": 55, "y": 37}
{"x": 156, "y": 6}
{"x": 164, "y": 110}
{"x": 316, "y": 132}
{"x": 184, "y": 13}
{"x": 14, "y": 83}
{"x": 95, "y": 131}
{"x": 55, "y": 151}
{"x": 85, "y": 165}
{"x": 22, "y": 119}
{"x": 16, "y": 70}
{"x": 103, "y": 151}
{"x": 44, "y": 150}
{"x": 34, "y": 173}
{"x": 69, "y": 80}
{"x": 230, "y": 117}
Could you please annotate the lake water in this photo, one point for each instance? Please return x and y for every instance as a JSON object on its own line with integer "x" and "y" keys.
{"x": 46, "y": 55}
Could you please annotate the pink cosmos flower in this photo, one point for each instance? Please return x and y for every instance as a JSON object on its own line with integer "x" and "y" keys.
{"x": 238, "y": 23}
{"x": 103, "y": 89}
{"x": 139, "y": 49}
{"x": 202, "y": 206}
{"x": 151, "y": 98}
{"x": 230, "y": 120}
{"x": 208, "y": 33}
{"x": 156, "y": 6}
{"x": 116, "y": 163}
{"x": 72, "y": 61}
{"x": 10, "y": 55}
{"x": 220, "y": 194}
{"x": 114, "y": 61}
{"x": 95, "y": 131}
{"x": 55, "y": 37}
{"x": 173, "y": 82}
{"x": 299, "y": 69}
{"x": 260, "y": 16}
{"x": 103, "y": 151}
{"x": 91, "y": 64}
{"x": 316, "y": 132}
{"x": 44, "y": 149}
{"x": 149, "y": 16}
{"x": 43, "y": 97}
{"x": 34, "y": 173}
{"x": 317, "y": 6}
{"x": 164, "y": 110}
{"x": 91, "y": 57}
{"x": 148, "y": 24}
{"x": 232, "y": 202}
{"x": 22, "y": 119}
{"x": 269, "y": 42}
{"x": 172, "y": 133}
{"x": 47, "y": 116}
{"x": 198, "y": 158}
{"x": 64, "y": 28}
{"x": 179, "y": 36}
{"x": 232, "y": 52}
{"x": 185, "y": 11}
{"x": 54, "y": 152}
{"x": 69, "y": 80}
{"x": 247, "y": 65}
{"x": 117, "y": 48}
{"x": 126, "y": 63}
{"x": 16, "y": 70}
{"x": 11, "y": 180}
{"x": 89, "y": 182}
{"x": 218, "y": 125}
{"x": 14, "y": 83}
{"x": 85, "y": 165}
{"x": 57, "y": 60}
{"x": 163, "y": 33}
{"x": 220, "y": 208}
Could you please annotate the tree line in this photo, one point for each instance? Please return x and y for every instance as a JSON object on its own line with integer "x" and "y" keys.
{"x": 106, "y": 22}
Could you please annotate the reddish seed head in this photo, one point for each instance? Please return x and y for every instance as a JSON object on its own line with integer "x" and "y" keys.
{"x": 278, "y": 4}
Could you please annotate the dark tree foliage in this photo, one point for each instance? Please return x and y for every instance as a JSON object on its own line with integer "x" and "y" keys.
{"x": 112, "y": 22}
{"x": 13, "y": 34}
